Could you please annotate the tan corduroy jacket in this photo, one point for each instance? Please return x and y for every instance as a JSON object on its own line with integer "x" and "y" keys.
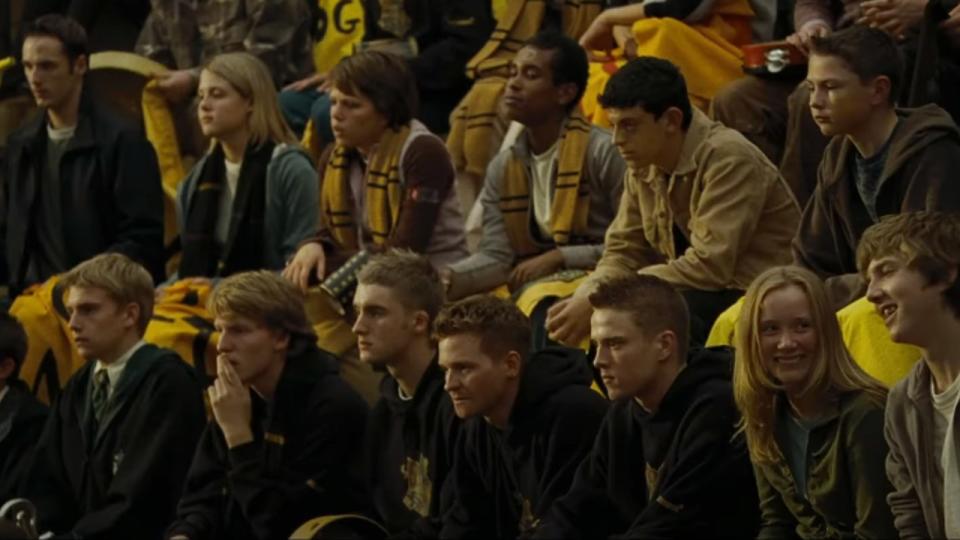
{"x": 730, "y": 203}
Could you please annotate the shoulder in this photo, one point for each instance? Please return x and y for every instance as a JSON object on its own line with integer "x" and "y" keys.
{"x": 860, "y": 410}
{"x": 727, "y": 147}
{"x": 331, "y": 396}
{"x": 576, "y": 405}
{"x": 290, "y": 156}
{"x": 425, "y": 147}
{"x": 166, "y": 368}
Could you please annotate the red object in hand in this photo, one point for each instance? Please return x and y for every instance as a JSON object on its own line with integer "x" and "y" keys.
{"x": 771, "y": 58}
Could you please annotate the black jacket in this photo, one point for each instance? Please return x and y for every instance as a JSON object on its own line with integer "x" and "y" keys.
{"x": 505, "y": 481}
{"x": 124, "y": 480}
{"x": 21, "y": 422}
{"x": 670, "y": 474}
{"x": 303, "y": 462}
{"x": 410, "y": 448}
{"x": 111, "y": 194}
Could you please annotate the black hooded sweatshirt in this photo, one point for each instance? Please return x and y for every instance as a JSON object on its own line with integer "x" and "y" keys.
{"x": 504, "y": 481}
{"x": 304, "y": 460}
{"x": 21, "y": 422}
{"x": 410, "y": 447}
{"x": 670, "y": 474}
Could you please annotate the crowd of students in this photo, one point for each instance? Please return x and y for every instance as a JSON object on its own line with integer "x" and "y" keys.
{"x": 375, "y": 374}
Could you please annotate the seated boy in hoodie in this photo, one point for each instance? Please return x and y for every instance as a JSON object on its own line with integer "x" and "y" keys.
{"x": 21, "y": 415}
{"x": 285, "y": 441}
{"x": 529, "y": 419}
{"x": 666, "y": 463}
{"x": 412, "y": 428}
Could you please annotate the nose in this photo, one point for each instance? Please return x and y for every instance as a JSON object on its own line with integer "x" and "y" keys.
{"x": 73, "y": 322}
{"x": 874, "y": 292}
{"x": 817, "y": 98}
{"x": 787, "y": 341}
{"x": 359, "y": 326}
{"x": 225, "y": 343}
{"x": 601, "y": 358}
{"x": 450, "y": 381}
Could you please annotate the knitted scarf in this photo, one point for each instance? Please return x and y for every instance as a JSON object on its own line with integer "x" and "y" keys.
{"x": 383, "y": 192}
{"x": 571, "y": 199}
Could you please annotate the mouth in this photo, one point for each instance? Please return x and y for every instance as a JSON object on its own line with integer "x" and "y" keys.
{"x": 512, "y": 101}
{"x": 362, "y": 345}
{"x": 206, "y": 119}
{"x": 821, "y": 119}
{"x": 791, "y": 359}
{"x": 888, "y": 311}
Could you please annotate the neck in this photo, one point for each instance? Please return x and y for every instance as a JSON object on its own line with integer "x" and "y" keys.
{"x": 544, "y": 134}
{"x": 121, "y": 348}
{"x": 235, "y": 145}
{"x": 67, "y": 113}
{"x": 941, "y": 354}
{"x": 874, "y": 133}
{"x": 500, "y": 416}
{"x": 651, "y": 397}
{"x": 368, "y": 149}
{"x": 670, "y": 157}
{"x": 408, "y": 370}
{"x": 807, "y": 406}
{"x": 266, "y": 383}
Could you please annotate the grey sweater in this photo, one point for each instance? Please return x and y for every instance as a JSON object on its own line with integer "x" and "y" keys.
{"x": 490, "y": 266}
{"x": 292, "y": 208}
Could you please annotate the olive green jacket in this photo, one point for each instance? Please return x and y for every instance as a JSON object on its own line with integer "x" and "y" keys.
{"x": 846, "y": 482}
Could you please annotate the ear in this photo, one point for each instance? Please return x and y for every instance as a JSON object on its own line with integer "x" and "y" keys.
{"x": 881, "y": 87}
{"x": 281, "y": 340}
{"x": 513, "y": 362}
{"x": 131, "y": 313}
{"x": 421, "y": 322}
{"x": 7, "y": 365}
{"x": 666, "y": 342}
{"x": 81, "y": 65}
{"x": 673, "y": 120}
{"x": 566, "y": 93}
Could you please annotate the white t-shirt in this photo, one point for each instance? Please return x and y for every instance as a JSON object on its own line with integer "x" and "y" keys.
{"x": 226, "y": 201}
{"x": 542, "y": 173}
{"x": 115, "y": 369}
{"x": 945, "y": 445}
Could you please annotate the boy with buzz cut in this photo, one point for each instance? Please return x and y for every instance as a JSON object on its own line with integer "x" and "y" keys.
{"x": 882, "y": 160}
{"x": 286, "y": 437}
{"x": 911, "y": 263}
{"x": 412, "y": 427}
{"x": 21, "y": 415}
{"x": 529, "y": 419}
{"x": 666, "y": 463}
{"x": 117, "y": 445}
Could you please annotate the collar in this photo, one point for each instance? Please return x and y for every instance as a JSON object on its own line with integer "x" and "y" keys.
{"x": 115, "y": 370}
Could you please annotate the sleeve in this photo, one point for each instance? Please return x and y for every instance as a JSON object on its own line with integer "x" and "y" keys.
{"x": 689, "y": 11}
{"x": 727, "y": 217}
{"x": 490, "y": 265}
{"x": 587, "y": 501}
{"x": 199, "y": 512}
{"x": 428, "y": 176}
{"x": 708, "y": 457}
{"x": 866, "y": 452}
{"x": 154, "y": 40}
{"x": 274, "y": 30}
{"x": 15, "y": 465}
{"x": 138, "y": 204}
{"x": 143, "y": 492}
{"x": 626, "y": 249}
{"x": 48, "y": 486}
{"x": 575, "y": 430}
{"x": 808, "y": 11}
{"x": 470, "y": 510}
{"x": 300, "y": 207}
{"x": 318, "y": 479}
{"x": 776, "y": 520}
{"x": 466, "y": 25}
{"x": 903, "y": 500}
{"x": 608, "y": 169}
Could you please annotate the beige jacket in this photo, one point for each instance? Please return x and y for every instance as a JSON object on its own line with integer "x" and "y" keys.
{"x": 737, "y": 213}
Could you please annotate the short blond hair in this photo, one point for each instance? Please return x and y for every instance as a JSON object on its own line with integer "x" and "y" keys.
{"x": 265, "y": 297}
{"x": 408, "y": 274}
{"x": 124, "y": 280}
{"x": 252, "y": 80}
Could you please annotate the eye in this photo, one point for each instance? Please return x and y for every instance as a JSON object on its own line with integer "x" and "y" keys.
{"x": 768, "y": 329}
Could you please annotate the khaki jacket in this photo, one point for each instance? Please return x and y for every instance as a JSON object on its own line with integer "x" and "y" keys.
{"x": 732, "y": 206}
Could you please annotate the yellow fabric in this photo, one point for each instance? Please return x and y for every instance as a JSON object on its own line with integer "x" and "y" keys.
{"x": 571, "y": 205}
{"x": 383, "y": 192}
{"x": 342, "y": 23}
{"x": 51, "y": 355}
{"x": 499, "y": 8}
{"x": 314, "y": 528}
{"x": 311, "y": 142}
{"x": 708, "y": 54}
{"x": 562, "y": 285}
{"x": 182, "y": 323}
{"x": 475, "y": 125}
{"x": 868, "y": 340}
{"x": 864, "y": 333}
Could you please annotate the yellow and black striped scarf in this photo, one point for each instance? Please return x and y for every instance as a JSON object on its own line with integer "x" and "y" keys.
{"x": 474, "y": 122}
{"x": 383, "y": 196}
{"x": 571, "y": 199}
